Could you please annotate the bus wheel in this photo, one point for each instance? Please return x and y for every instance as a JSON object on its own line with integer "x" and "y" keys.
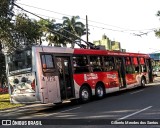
{"x": 99, "y": 91}
{"x": 85, "y": 94}
{"x": 143, "y": 82}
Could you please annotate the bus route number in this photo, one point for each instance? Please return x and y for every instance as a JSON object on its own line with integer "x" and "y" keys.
{"x": 50, "y": 78}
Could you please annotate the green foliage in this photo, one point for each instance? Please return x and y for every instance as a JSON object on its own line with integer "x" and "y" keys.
{"x": 6, "y": 9}
{"x": 157, "y": 32}
{"x": 76, "y": 29}
{"x": 27, "y": 31}
{"x": 6, "y": 27}
{"x": 50, "y": 29}
{"x": 3, "y": 69}
{"x": 6, "y": 14}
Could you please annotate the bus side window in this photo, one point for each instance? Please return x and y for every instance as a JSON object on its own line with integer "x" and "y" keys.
{"x": 47, "y": 64}
{"x": 137, "y": 69}
{"x": 129, "y": 67}
{"x": 108, "y": 63}
{"x": 96, "y": 63}
{"x": 143, "y": 66}
{"x": 80, "y": 64}
{"x": 135, "y": 63}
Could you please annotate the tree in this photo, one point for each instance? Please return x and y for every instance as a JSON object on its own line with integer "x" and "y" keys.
{"x": 51, "y": 29}
{"x": 6, "y": 14}
{"x": 26, "y": 32}
{"x": 6, "y": 9}
{"x": 73, "y": 29}
{"x": 3, "y": 77}
{"x": 157, "y": 32}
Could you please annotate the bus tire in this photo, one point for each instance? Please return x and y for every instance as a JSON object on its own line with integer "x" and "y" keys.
{"x": 143, "y": 82}
{"x": 99, "y": 91}
{"x": 85, "y": 94}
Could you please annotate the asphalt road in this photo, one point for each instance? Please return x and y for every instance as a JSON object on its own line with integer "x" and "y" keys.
{"x": 135, "y": 105}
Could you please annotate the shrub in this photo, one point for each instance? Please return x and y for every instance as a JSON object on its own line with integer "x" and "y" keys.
{"x": 3, "y": 90}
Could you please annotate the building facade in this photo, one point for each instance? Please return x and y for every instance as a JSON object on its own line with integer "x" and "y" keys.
{"x": 109, "y": 45}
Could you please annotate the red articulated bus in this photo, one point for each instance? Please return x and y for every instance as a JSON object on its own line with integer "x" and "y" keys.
{"x": 46, "y": 74}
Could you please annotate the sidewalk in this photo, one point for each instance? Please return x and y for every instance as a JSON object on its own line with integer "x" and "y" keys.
{"x": 27, "y": 107}
{"x": 156, "y": 80}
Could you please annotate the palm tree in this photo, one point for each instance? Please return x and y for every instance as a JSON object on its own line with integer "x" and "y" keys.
{"x": 73, "y": 29}
{"x": 52, "y": 32}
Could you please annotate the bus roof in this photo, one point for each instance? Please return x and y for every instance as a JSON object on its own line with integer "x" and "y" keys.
{"x": 108, "y": 52}
{"x": 88, "y": 51}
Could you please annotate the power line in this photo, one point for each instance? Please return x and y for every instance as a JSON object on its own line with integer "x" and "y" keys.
{"x": 87, "y": 43}
{"x": 124, "y": 29}
{"x": 42, "y": 19}
{"x": 89, "y": 24}
{"x": 44, "y": 9}
{"x": 45, "y": 16}
{"x": 106, "y": 28}
{"x": 70, "y": 15}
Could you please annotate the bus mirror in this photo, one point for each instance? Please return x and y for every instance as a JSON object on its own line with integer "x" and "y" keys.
{"x": 44, "y": 66}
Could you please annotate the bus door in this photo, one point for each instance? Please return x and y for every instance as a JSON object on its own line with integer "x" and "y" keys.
{"x": 49, "y": 85}
{"x": 65, "y": 77}
{"x": 149, "y": 67}
{"x": 121, "y": 71}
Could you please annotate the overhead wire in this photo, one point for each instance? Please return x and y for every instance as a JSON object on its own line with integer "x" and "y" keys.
{"x": 122, "y": 29}
{"x": 69, "y": 15}
{"x": 87, "y": 43}
{"x": 42, "y": 19}
{"x": 45, "y": 16}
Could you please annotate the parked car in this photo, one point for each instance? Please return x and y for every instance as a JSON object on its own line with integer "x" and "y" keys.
{"x": 156, "y": 72}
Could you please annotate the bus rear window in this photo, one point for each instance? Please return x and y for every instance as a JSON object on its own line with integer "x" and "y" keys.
{"x": 19, "y": 60}
{"x": 47, "y": 63}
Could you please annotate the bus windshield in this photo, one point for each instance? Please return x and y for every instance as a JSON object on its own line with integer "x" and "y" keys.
{"x": 19, "y": 61}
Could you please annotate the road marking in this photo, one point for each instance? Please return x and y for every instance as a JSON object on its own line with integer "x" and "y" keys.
{"x": 136, "y": 91}
{"x": 61, "y": 111}
{"x": 133, "y": 113}
{"x": 69, "y": 109}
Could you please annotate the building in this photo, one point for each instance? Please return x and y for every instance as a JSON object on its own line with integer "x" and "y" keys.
{"x": 156, "y": 59}
{"x": 104, "y": 42}
{"x": 109, "y": 45}
{"x": 155, "y": 56}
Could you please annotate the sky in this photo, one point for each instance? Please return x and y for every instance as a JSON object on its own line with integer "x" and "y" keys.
{"x": 119, "y": 20}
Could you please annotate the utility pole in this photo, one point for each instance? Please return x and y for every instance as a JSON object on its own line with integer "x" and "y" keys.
{"x": 87, "y": 30}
